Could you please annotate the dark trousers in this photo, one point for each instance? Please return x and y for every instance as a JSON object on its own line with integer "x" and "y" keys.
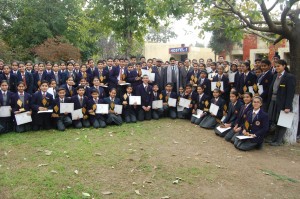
{"x": 144, "y": 115}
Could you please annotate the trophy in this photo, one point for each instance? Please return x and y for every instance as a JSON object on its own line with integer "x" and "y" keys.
{"x": 206, "y": 104}
{"x": 218, "y": 85}
{"x": 55, "y": 111}
{"x": 247, "y": 126}
{"x": 84, "y": 75}
{"x": 225, "y": 108}
{"x": 44, "y": 102}
{"x": 20, "y": 104}
{"x": 123, "y": 76}
{"x": 245, "y": 89}
{"x": 255, "y": 89}
{"x": 160, "y": 96}
{"x": 112, "y": 106}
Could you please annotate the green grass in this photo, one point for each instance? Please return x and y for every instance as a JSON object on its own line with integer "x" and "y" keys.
{"x": 279, "y": 177}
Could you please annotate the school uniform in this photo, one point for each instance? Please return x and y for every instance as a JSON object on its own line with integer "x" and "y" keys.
{"x": 102, "y": 93}
{"x": 183, "y": 73}
{"x": 157, "y": 113}
{"x": 5, "y": 122}
{"x": 48, "y": 75}
{"x": 21, "y": 102}
{"x": 169, "y": 111}
{"x": 258, "y": 125}
{"x": 27, "y": 79}
{"x": 61, "y": 120}
{"x": 129, "y": 111}
{"x": 145, "y": 91}
{"x": 70, "y": 90}
{"x": 97, "y": 120}
{"x": 91, "y": 70}
{"x": 191, "y": 75}
{"x": 206, "y": 83}
{"x": 187, "y": 112}
{"x": 237, "y": 78}
{"x": 62, "y": 77}
{"x": 265, "y": 80}
{"x": 113, "y": 118}
{"x": 201, "y": 102}
{"x": 159, "y": 78}
{"x": 210, "y": 121}
{"x": 230, "y": 136}
{"x": 231, "y": 117}
{"x": 245, "y": 80}
{"x": 131, "y": 78}
{"x": 16, "y": 73}
{"x": 280, "y": 97}
{"x": 102, "y": 75}
{"x": 226, "y": 87}
{"x": 42, "y": 120}
{"x": 12, "y": 81}
{"x": 81, "y": 103}
{"x": 113, "y": 73}
{"x": 37, "y": 78}
{"x": 154, "y": 70}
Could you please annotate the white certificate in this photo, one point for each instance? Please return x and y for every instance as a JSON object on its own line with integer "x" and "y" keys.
{"x": 104, "y": 86}
{"x": 184, "y": 102}
{"x": 124, "y": 84}
{"x": 102, "y": 108}
{"x": 118, "y": 108}
{"x": 134, "y": 99}
{"x": 66, "y": 107}
{"x": 5, "y": 111}
{"x": 50, "y": 90}
{"x": 157, "y": 104}
{"x": 48, "y": 111}
{"x": 213, "y": 109}
{"x": 231, "y": 77}
{"x": 260, "y": 89}
{"x": 180, "y": 108}
{"x": 77, "y": 114}
{"x": 152, "y": 77}
{"x": 214, "y": 85}
{"x": 285, "y": 119}
{"x": 208, "y": 69}
{"x": 243, "y": 137}
{"x": 222, "y": 130}
{"x": 145, "y": 72}
{"x": 172, "y": 102}
{"x": 198, "y": 114}
{"x": 211, "y": 75}
{"x": 23, "y": 118}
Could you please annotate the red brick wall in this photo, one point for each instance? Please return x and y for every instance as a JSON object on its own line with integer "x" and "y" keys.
{"x": 249, "y": 42}
{"x": 274, "y": 48}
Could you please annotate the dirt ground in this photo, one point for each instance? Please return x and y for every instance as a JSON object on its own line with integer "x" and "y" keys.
{"x": 161, "y": 159}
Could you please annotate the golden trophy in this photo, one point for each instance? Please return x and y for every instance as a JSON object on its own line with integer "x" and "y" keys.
{"x": 20, "y": 104}
{"x": 206, "y": 104}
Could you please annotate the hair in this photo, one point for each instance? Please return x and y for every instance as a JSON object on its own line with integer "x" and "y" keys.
{"x": 258, "y": 97}
{"x": 20, "y": 82}
{"x": 48, "y": 62}
{"x": 283, "y": 63}
{"x": 172, "y": 58}
{"x": 100, "y": 62}
{"x": 70, "y": 76}
{"x": 247, "y": 64}
{"x": 213, "y": 63}
{"x": 94, "y": 91}
{"x": 201, "y": 86}
{"x": 234, "y": 93}
{"x": 149, "y": 60}
{"x": 95, "y": 78}
{"x": 3, "y": 81}
{"x": 68, "y": 63}
{"x": 248, "y": 93}
{"x": 80, "y": 87}
{"x": 129, "y": 86}
{"x": 112, "y": 89}
{"x": 89, "y": 60}
{"x": 217, "y": 90}
{"x": 142, "y": 57}
{"x": 258, "y": 59}
{"x": 266, "y": 61}
{"x": 189, "y": 85}
{"x": 132, "y": 57}
{"x": 44, "y": 82}
{"x": 61, "y": 89}
{"x": 169, "y": 84}
{"x": 21, "y": 63}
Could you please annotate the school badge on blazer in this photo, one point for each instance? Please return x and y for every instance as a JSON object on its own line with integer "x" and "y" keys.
{"x": 257, "y": 123}
{"x": 160, "y": 96}
{"x": 125, "y": 96}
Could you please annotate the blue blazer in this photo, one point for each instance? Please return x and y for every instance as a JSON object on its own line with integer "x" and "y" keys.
{"x": 68, "y": 93}
{"x": 29, "y": 83}
{"x": 26, "y": 105}
{"x": 101, "y": 92}
{"x": 189, "y": 75}
{"x": 12, "y": 83}
{"x": 233, "y": 112}
{"x": 36, "y": 80}
{"x": 146, "y": 95}
{"x": 108, "y": 101}
{"x": 89, "y": 70}
{"x": 77, "y": 105}
{"x": 9, "y": 98}
{"x": 113, "y": 77}
{"x": 250, "y": 80}
{"x": 130, "y": 78}
{"x": 105, "y": 75}
{"x": 172, "y": 95}
{"x": 48, "y": 76}
{"x": 221, "y": 102}
{"x": 200, "y": 104}
{"x": 243, "y": 114}
{"x": 91, "y": 102}
{"x": 207, "y": 86}
{"x": 37, "y": 101}
{"x": 258, "y": 126}
{"x": 265, "y": 81}
{"x": 225, "y": 82}
{"x": 19, "y": 76}
{"x": 56, "y": 102}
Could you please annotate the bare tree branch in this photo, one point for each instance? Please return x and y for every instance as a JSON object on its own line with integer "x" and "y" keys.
{"x": 273, "y": 6}
{"x": 278, "y": 39}
{"x": 267, "y": 17}
{"x": 284, "y": 15}
{"x": 257, "y": 33}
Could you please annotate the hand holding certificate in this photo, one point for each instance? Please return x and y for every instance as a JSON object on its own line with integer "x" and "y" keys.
{"x": 102, "y": 108}
{"x": 66, "y": 107}
{"x": 184, "y": 103}
{"x": 213, "y": 109}
{"x": 118, "y": 109}
{"x": 134, "y": 100}
{"x": 172, "y": 102}
{"x": 222, "y": 130}
{"x": 244, "y": 137}
{"x": 157, "y": 104}
{"x": 77, "y": 114}
{"x": 218, "y": 85}
{"x": 198, "y": 113}
{"x": 285, "y": 119}
{"x": 23, "y": 118}
{"x": 46, "y": 111}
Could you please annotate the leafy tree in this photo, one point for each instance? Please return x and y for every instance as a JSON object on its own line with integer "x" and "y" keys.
{"x": 219, "y": 42}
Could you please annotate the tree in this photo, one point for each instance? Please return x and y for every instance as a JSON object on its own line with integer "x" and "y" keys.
{"x": 56, "y": 49}
{"x": 219, "y": 42}
{"x": 162, "y": 34}
{"x": 254, "y": 16}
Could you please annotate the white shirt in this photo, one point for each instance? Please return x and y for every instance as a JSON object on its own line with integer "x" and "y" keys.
{"x": 256, "y": 112}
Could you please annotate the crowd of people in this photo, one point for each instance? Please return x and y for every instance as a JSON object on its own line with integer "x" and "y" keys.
{"x": 235, "y": 99}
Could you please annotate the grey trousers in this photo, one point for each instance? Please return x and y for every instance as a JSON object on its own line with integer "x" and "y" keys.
{"x": 98, "y": 123}
{"x": 130, "y": 118}
{"x": 63, "y": 122}
{"x": 245, "y": 145}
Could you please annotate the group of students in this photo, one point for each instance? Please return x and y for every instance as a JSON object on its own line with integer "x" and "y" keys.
{"x": 25, "y": 87}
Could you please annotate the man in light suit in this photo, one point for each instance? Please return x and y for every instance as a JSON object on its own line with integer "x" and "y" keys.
{"x": 185, "y": 70}
{"x": 172, "y": 74}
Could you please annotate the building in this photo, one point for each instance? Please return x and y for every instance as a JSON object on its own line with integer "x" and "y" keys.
{"x": 165, "y": 50}
{"x": 253, "y": 47}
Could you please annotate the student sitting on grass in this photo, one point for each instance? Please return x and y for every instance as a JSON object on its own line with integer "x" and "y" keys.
{"x": 113, "y": 117}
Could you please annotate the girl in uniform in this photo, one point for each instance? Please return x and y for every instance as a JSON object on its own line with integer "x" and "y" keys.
{"x": 5, "y": 100}
{"x": 113, "y": 117}
{"x": 201, "y": 102}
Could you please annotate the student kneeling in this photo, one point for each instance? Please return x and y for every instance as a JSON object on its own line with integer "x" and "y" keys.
{"x": 256, "y": 126}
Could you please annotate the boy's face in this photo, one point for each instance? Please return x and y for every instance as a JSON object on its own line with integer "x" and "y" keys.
{"x": 188, "y": 89}
{"x": 112, "y": 94}
{"x": 129, "y": 90}
{"x": 21, "y": 88}
{"x": 76, "y": 66}
{"x": 145, "y": 79}
{"x": 70, "y": 67}
{"x": 62, "y": 93}
{"x": 80, "y": 92}
{"x": 149, "y": 63}
{"x": 53, "y": 84}
{"x": 96, "y": 82}
{"x": 199, "y": 90}
{"x": 83, "y": 82}
{"x": 62, "y": 66}
{"x": 48, "y": 66}
{"x": 203, "y": 75}
{"x": 4, "y": 86}
{"x": 70, "y": 81}
{"x": 44, "y": 87}
{"x": 129, "y": 68}
{"x": 95, "y": 95}
{"x": 41, "y": 67}
{"x": 216, "y": 94}
{"x": 181, "y": 90}
{"x": 91, "y": 63}
{"x": 14, "y": 66}
{"x": 110, "y": 62}
{"x": 28, "y": 66}
{"x": 168, "y": 88}
{"x": 6, "y": 70}
{"x": 100, "y": 65}
{"x": 83, "y": 68}
{"x": 133, "y": 60}
{"x": 22, "y": 68}
{"x": 155, "y": 88}
{"x": 55, "y": 68}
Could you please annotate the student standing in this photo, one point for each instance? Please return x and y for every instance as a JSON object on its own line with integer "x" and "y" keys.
{"x": 145, "y": 91}
{"x": 129, "y": 111}
{"x": 80, "y": 102}
{"x": 169, "y": 111}
{"x": 5, "y": 100}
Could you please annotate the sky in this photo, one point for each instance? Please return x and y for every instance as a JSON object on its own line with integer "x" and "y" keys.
{"x": 187, "y": 34}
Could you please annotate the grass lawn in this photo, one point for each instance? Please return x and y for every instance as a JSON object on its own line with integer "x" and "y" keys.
{"x": 152, "y": 159}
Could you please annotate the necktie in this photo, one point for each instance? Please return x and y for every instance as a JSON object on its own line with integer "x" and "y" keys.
{"x": 21, "y": 94}
{"x": 61, "y": 101}
{"x": 201, "y": 82}
{"x": 219, "y": 78}
{"x": 81, "y": 100}
{"x": 253, "y": 116}
{"x": 4, "y": 94}
{"x": 146, "y": 87}
{"x": 44, "y": 95}
{"x": 279, "y": 75}
{"x": 245, "y": 76}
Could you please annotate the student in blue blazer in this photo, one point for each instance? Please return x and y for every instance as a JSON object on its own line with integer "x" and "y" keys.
{"x": 97, "y": 120}
{"x": 5, "y": 100}
{"x": 41, "y": 101}
{"x": 113, "y": 117}
{"x": 69, "y": 87}
{"x": 145, "y": 91}
{"x": 11, "y": 79}
{"x": 129, "y": 111}
{"x": 202, "y": 102}
{"x": 81, "y": 102}
{"x": 256, "y": 126}
{"x": 21, "y": 102}
{"x": 169, "y": 111}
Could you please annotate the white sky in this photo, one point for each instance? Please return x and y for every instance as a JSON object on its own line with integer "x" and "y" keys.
{"x": 187, "y": 34}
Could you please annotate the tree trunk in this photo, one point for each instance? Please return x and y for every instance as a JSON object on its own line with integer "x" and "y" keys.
{"x": 291, "y": 134}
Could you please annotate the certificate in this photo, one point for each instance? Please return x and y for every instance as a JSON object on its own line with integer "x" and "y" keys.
{"x": 198, "y": 113}
{"x": 124, "y": 84}
{"x": 218, "y": 85}
{"x": 104, "y": 86}
{"x": 48, "y": 111}
{"x": 77, "y": 114}
{"x": 172, "y": 102}
{"x": 231, "y": 77}
{"x": 260, "y": 89}
{"x": 50, "y": 90}
{"x": 243, "y": 137}
{"x": 66, "y": 107}
{"x": 157, "y": 104}
{"x": 118, "y": 109}
{"x": 184, "y": 102}
{"x": 145, "y": 72}
{"x": 214, "y": 109}
{"x": 134, "y": 99}
{"x": 208, "y": 69}
{"x": 180, "y": 108}
{"x": 152, "y": 77}
{"x": 222, "y": 130}
{"x": 285, "y": 119}
{"x": 23, "y": 118}
{"x": 5, "y": 111}
{"x": 102, "y": 108}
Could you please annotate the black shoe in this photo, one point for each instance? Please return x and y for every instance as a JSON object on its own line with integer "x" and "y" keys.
{"x": 275, "y": 144}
